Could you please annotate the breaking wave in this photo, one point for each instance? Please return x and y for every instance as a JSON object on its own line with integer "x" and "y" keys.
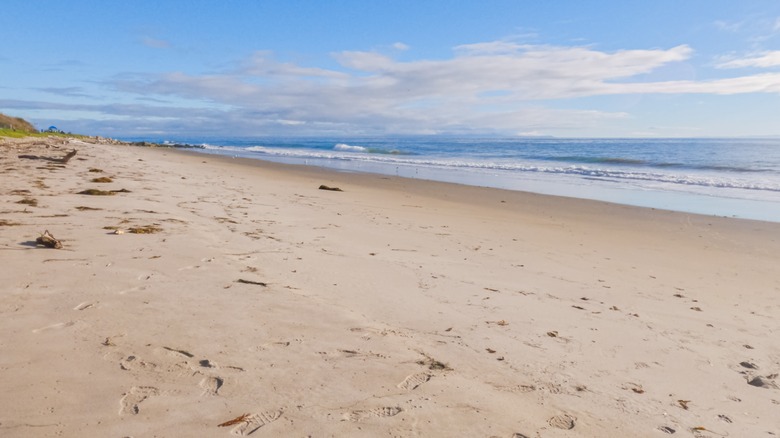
{"x": 598, "y": 169}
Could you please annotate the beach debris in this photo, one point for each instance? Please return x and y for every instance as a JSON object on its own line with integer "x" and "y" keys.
{"x": 32, "y": 202}
{"x": 749, "y": 347}
{"x": 696, "y": 308}
{"x": 102, "y": 179}
{"x": 95, "y": 170}
{"x": 96, "y": 192}
{"x": 5, "y": 223}
{"x": 433, "y": 364}
{"x": 490, "y": 350}
{"x": 257, "y": 283}
{"x": 181, "y": 352}
{"x": 634, "y": 387}
{"x": 118, "y": 231}
{"x": 332, "y": 189}
{"x": 683, "y": 404}
{"x": 62, "y": 160}
{"x": 500, "y": 322}
{"x": 553, "y": 334}
{"x": 240, "y": 419}
{"x": 749, "y": 365}
{"x": 725, "y": 418}
{"x": 83, "y": 208}
{"x": 667, "y": 429}
{"x": 146, "y": 229}
{"x": 763, "y": 382}
{"x": 578, "y": 307}
{"x": 46, "y": 239}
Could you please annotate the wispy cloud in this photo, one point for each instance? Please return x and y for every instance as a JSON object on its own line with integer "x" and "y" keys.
{"x": 729, "y": 26}
{"x": 762, "y": 59}
{"x": 65, "y": 91}
{"x": 155, "y": 43}
{"x": 490, "y": 87}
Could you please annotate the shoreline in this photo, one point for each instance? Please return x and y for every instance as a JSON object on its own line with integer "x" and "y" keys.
{"x": 718, "y": 204}
{"x": 396, "y": 306}
{"x": 440, "y": 188}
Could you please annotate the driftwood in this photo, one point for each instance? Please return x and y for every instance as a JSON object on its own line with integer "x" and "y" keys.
{"x": 48, "y": 241}
{"x": 62, "y": 160}
{"x": 258, "y": 283}
{"x": 240, "y": 419}
{"x": 332, "y": 189}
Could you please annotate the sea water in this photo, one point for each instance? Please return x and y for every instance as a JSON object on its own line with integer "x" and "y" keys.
{"x": 724, "y": 177}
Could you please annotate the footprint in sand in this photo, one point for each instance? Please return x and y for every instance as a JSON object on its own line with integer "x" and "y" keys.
{"x": 132, "y": 289}
{"x": 255, "y": 421}
{"x": 562, "y": 421}
{"x": 134, "y": 363}
{"x": 211, "y": 385}
{"x": 84, "y": 306}
{"x": 131, "y": 399}
{"x": 384, "y": 412}
{"x": 54, "y": 327}
{"x": 413, "y": 381}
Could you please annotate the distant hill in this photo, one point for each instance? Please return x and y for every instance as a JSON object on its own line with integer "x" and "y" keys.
{"x": 16, "y": 123}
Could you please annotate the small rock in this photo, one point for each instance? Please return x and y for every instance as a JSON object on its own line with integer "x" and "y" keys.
{"x": 762, "y": 382}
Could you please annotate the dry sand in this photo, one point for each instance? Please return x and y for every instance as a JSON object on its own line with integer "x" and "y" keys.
{"x": 394, "y": 308}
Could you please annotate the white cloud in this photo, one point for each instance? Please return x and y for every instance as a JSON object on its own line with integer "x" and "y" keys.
{"x": 776, "y": 28}
{"x": 729, "y": 26}
{"x": 155, "y": 43}
{"x": 763, "y": 59}
{"x": 498, "y": 87}
{"x": 400, "y": 46}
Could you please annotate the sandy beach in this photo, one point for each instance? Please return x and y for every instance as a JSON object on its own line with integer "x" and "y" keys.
{"x": 206, "y": 289}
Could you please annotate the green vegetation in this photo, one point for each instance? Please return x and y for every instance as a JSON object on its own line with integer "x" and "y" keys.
{"x": 17, "y": 127}
{"x": 12, "y": 133}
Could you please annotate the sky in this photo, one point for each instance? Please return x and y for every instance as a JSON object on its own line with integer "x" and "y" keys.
{"x": 341, "y": 68}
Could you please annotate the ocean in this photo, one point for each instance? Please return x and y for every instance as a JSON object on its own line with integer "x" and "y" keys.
{"x": 722, "y": 177}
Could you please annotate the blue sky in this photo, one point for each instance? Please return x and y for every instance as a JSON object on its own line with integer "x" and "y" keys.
{"x": 362, "y": 68}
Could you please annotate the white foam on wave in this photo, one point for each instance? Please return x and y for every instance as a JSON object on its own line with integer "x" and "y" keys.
{"x": 349, "y": 148}
{"x": 345, "y": 152}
